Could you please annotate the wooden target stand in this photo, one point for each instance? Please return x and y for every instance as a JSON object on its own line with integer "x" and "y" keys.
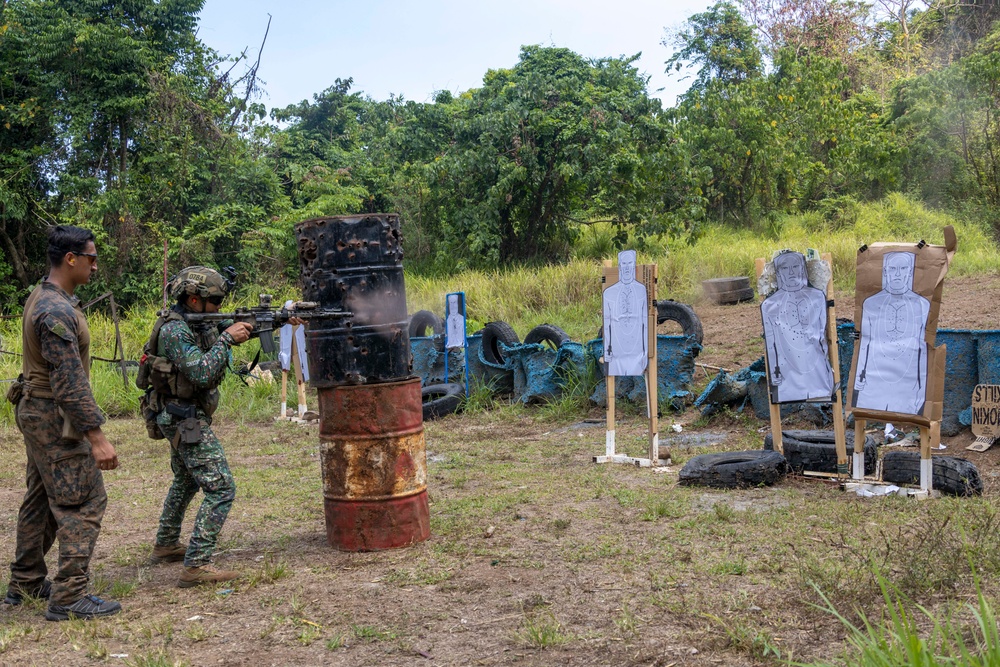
{"x": 647, "y": 275}
{"x": 929, "y": 424}
{"x": 839, "y": 434}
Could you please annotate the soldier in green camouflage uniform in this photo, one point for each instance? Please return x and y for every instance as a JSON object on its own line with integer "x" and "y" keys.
{"x": 66, "y": 449}
{"x": 186, "y": 363}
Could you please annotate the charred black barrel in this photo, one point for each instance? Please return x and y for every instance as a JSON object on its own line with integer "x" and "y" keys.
{"x": 354, "y": 263}
{"x": 341, "y": 352}
{"x": 374, "y": 293}
{"x": 349, "y": 241}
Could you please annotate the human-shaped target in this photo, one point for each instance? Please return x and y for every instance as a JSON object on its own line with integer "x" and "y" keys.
{"x": 626, "y": 321}
{"x": 892, "y": 362}
{"x": 794, "y": 318}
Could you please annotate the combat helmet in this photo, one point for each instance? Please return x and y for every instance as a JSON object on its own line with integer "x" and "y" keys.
{"x": 199, "y": 281}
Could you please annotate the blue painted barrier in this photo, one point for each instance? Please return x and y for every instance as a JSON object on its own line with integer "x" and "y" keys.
{"x": 536, "y": 373}
{"x": 674, "y": 370}
{"x": 428, "y": 363}
{"x": 973, "y": 357}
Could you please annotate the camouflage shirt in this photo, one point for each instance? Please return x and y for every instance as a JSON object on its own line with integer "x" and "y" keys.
{"x": 202, "y": 358}
{"x": 56, "y": 345}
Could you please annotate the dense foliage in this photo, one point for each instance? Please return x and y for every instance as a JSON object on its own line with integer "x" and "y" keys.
{"x": 115, "y": 116}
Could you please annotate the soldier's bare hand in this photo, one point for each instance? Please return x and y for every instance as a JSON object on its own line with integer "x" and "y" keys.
{"x": 102, "y": 450}
{"x": 296, "y": 320}
{"x": 240, "y": 332}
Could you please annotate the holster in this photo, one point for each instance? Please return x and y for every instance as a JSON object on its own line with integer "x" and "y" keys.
{"x": 182, "y": 411}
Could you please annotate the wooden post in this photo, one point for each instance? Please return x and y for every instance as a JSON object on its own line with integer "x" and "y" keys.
{"x": 839, "y": 435}
{"x": 651, "y": 376}
{"x": 609, "y": 436}
{"x": 859, "y": 447}
{"x": 930, "y": 438}
{"x": 297, "y": 365}
{"x": 774, "y": 409}
{"x": 284, "y": 394}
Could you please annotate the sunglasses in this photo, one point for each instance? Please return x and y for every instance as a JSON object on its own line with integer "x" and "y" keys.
{"x": 215, "y": 300}
{"x": 89, "y": 255}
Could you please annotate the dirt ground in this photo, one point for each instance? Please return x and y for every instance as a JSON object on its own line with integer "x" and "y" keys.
{"x": 537, "y": 555}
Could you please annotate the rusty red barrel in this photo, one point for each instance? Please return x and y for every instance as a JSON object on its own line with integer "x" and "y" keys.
{"x": 374, "y": 465}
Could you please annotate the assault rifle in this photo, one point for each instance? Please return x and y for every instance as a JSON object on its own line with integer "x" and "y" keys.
{"x": 265, "y": 319}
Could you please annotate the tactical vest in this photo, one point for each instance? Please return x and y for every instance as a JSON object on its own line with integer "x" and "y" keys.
{"x": 163, "y": 381}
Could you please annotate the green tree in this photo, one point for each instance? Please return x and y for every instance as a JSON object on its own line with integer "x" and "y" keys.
{"x": 720, "y": 43}
{"x": 553, "y": 142}
{"x": 134, "y": 132}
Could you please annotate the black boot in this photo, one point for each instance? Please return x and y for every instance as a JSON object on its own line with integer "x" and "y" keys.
{"x": 89, "y": 606}
{"x": 15, "y": 596}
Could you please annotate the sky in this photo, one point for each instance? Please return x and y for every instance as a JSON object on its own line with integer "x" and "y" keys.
{"x": 416, "y": 48}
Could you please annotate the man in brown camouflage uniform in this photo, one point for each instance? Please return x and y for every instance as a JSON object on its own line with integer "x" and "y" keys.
{"x": 186, "y": 363}
{"x": 66, "y": 449}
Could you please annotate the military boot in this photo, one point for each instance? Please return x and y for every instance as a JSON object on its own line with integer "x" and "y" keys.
{"x": 15, "y": 595}
{"x": 168, "y": 554}
{"x": 204, "y": 574}
{"x": 87, "y": 607}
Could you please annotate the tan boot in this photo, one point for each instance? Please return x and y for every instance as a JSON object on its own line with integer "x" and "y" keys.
{"x": 168, "y": 554}
{"x": 205, "y": 574}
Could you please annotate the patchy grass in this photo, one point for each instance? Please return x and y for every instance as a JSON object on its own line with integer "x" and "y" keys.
{"x": 542, "y": 630}
{"x": 580, "y": 557}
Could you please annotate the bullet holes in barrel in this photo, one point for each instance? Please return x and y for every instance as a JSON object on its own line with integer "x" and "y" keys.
{"x": 307, "y": 251}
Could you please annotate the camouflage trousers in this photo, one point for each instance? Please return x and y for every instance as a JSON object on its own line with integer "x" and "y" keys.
{"x": 196, "y": 466}
{"x": 65, "y": 500}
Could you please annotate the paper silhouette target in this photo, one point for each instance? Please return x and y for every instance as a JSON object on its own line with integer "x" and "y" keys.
{"x": 626, "y": 321}
{"x": 795, "y": 318}
{"x": 892, "y": 361}
{"x": 455, "y": 320}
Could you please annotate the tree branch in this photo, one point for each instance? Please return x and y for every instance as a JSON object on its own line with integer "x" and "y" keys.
{"x": 251, "y": 78}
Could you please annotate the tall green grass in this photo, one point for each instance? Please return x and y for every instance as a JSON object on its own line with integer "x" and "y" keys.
{"x": 910, "y": 635}
{"x": 569, "y": 294}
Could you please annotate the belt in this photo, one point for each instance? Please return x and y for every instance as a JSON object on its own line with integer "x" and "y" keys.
{"x": 182, "y": 411}
{"x": 31, "y": 391}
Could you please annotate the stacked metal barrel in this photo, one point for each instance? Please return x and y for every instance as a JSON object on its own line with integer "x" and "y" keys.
{"x": 371, "y": 414}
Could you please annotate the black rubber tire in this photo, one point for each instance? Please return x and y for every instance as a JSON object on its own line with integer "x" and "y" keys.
{"x": 422, "y": 320}
{"x": 734, "y": 470}
{"x": 495, "y": 333}
{"x": 547, "y": 334}
{"x": 728, "y": 290}
{"x": 683, "y": 314}
{"x": 441, "y": 399}
{"x": 952, "y": 475}
{"x": 274, "y": 366}
{"x": 816, "y": 451}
